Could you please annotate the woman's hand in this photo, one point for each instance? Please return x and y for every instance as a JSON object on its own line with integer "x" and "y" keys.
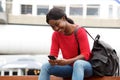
{"x": 61, "y": 62}
{"x": 53, "y": 62}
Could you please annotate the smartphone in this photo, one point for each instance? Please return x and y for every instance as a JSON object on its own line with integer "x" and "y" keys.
{"x": 51, "y": 57}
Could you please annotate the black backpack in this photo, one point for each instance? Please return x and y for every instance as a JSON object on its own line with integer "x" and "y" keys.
{"x": 104, "y": 59}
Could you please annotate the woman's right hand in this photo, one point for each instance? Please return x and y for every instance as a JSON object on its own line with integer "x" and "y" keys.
{"x": 61, "y": 62}
{"x": 53, "y": 62}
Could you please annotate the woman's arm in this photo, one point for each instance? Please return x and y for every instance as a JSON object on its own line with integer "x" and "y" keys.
{"x": 67, "y": 61}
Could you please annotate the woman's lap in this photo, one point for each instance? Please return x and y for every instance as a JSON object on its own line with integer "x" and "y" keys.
{"x": 61, "y": 71}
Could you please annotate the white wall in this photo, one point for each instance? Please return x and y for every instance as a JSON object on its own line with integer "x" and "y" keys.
{"x": 24, "y": 39}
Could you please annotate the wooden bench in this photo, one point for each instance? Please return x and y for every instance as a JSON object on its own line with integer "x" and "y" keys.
{"x": 18, "y": 77}
{"x": 53, "y": 78}
{"x": 91, "y": 78}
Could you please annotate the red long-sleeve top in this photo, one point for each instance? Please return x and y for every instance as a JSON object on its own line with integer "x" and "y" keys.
{"x": 69, "y": 46}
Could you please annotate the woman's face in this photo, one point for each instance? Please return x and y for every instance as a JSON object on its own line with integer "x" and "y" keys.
{"x": 58, "y": 25}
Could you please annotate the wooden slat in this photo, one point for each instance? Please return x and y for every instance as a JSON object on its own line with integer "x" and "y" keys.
{"x": 53, "y": 78}
{"x": 91, "y": 78}
{"x": 18, "y": 77}
{"x": 104, "y": 78}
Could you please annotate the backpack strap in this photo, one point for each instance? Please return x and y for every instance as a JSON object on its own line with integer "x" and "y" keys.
{"x": 87, "y": 33}
{"x": 75, "y": 33}
{"x": 90, "y": 35}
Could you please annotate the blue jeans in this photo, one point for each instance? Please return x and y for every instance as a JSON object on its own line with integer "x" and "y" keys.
{"x": 80, "y": 69}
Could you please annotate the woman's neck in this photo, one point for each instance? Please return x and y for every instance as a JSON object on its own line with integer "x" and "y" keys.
{"x": 70, "y": 29}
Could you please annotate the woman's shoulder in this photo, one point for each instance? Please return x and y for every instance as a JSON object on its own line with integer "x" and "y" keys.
{"x": 80, "y": 28}
{"x": 81, "y": 31}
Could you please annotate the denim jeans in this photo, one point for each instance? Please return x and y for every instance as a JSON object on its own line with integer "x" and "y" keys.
{"x": 78, "y": 71}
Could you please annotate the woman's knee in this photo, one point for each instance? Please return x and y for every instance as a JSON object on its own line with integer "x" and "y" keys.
{"x": 45, "y": 66}
{"x": 79, "y": 63}
{"x": 83, "y": 65}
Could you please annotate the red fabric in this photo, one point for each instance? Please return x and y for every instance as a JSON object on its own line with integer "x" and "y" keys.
{"x": 69, "y": 46}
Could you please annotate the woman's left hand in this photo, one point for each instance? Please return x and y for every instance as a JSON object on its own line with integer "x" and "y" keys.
{"x": 62, "y": 62}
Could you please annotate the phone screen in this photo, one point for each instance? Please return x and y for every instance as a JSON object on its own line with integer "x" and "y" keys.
{"x": 51, "y": 57}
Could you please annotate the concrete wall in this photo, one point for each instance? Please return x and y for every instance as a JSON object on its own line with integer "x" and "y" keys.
{"x": 26, "y": 39}
{"x": 41, "y": 20}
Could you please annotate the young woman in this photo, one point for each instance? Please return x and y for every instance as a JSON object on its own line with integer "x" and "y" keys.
{"x": 72, "y": 65}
